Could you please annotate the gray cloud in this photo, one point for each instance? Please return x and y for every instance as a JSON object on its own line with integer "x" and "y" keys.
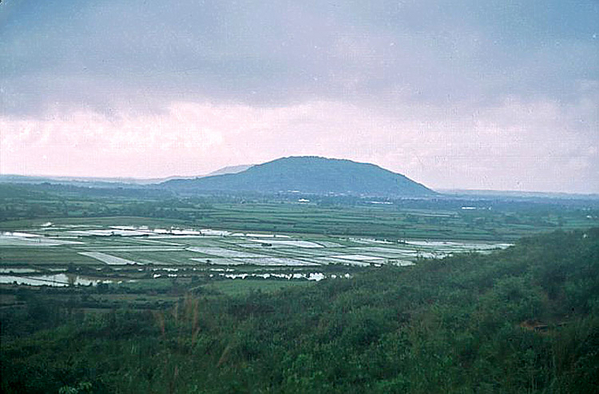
{"x": 102, "y": 54}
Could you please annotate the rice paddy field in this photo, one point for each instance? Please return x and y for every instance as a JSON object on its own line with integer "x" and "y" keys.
{"x": 76, "y": 253}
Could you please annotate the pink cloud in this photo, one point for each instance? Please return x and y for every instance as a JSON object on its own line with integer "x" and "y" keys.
{"x": 515, "y": 145}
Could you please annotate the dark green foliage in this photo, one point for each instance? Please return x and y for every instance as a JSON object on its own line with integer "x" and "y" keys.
{"x": 521, "y": 320}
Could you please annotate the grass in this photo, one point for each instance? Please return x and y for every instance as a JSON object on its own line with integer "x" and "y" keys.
{"x": 238, "y": 287}
{"x": 92, "y": 221}
{"x": 43, "y": 256}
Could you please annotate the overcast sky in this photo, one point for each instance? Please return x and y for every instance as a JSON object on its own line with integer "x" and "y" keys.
{"x": 453, "y": 94}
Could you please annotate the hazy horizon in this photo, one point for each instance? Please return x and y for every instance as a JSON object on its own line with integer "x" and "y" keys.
{"x": 160, "y": 179}
{"x": 454, "y": 95}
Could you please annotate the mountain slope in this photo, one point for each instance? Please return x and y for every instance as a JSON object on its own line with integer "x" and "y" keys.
{"x": 308, "y": 174}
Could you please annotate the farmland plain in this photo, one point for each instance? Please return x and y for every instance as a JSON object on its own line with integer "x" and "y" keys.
{"x": 130, "y": 239}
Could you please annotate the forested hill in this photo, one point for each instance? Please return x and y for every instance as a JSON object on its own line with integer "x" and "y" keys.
{"x": 312, "y": 175}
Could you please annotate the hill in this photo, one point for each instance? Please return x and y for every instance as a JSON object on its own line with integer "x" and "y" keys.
{"x": 310, "y": 175}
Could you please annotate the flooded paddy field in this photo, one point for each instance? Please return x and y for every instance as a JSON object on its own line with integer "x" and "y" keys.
{"x": 80, "y": 254}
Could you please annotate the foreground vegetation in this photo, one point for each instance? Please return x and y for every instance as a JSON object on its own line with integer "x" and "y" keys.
{"x": 525, "y": 319}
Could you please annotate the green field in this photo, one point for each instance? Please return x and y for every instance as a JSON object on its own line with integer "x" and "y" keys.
{"x": 69, "y": 230}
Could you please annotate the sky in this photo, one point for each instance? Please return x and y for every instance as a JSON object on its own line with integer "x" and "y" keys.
{"x": 500, "y": 95}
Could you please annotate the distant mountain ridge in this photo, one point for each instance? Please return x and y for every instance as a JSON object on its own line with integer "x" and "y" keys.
{"x": 109, "y": 182}
{"x": 79, "y": 181}
{"x": 231, "y": 170}
{"x": 310, "y": 175}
